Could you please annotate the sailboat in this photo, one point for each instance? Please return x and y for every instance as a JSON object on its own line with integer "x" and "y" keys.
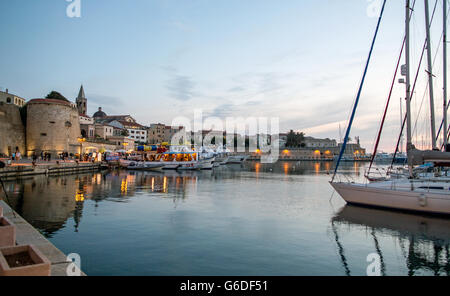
{"x": 431, "y": 195}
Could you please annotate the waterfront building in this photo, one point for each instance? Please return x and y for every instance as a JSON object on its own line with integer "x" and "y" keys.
{"x": 118, "y": 131}
{"x": 8, "y": 98}
{"x": 121, "y": 123}
{"x": 136, "y": 131}
{"x": 171, "y": 131}
{"x": 317, "y": 148}
{"x": 122, "y": 142}
{"x": 103, "y": 131}
{"x": 87, "y": 131}
{"x": 84, "y": 119}
{"x": 101, "y": 116}
{"x": 156, "y": 133}
{"x": 311, "y": 142}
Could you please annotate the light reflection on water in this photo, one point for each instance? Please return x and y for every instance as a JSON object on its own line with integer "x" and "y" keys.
{"x": 256, "y": 219}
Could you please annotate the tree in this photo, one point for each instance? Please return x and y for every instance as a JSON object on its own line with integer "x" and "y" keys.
{"x": 56, "y": 96}
{"x": 125, "y": 133}
{"x": 295, "y": 140}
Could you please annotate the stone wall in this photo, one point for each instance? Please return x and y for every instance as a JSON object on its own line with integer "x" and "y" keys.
{"x": 90, "y": 147}
{"x": 52, "y": 126}
{"x": 12, "y": 131}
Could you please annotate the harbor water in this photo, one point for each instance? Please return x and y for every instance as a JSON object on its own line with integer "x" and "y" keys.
{"x": 250, "y": 219}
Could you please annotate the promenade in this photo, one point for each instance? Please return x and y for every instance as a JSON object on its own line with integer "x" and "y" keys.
{"x": 26, "y": 234}
{"x": 25, "y": 167}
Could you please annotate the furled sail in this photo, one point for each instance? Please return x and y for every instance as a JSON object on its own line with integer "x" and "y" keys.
{"x": 419, "y": 157}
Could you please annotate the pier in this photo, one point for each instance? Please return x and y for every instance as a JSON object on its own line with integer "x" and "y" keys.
{"x": 28, "y": 235}
{"x": 16, "y": 170}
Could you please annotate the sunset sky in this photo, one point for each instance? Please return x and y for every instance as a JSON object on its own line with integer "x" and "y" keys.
{"x": 299, "y": 60}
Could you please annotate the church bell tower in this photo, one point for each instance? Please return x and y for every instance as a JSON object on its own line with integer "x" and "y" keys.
{"x": 81, "y": 102}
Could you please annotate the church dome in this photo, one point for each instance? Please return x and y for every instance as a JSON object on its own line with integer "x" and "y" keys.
{"x": 99, "y": 113}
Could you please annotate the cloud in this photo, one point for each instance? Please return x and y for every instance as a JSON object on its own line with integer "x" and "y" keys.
{"x": 180, "y": 87}
{"x": 233, "y": 110}
{"x": 236, "y": 89}
{"x": 223, "y": 111}
{"x": 108, "y": 103}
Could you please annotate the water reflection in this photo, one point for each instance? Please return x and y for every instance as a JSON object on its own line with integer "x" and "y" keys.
{"x": 49, "y": 202}
{"x": 290, "y": 167}
{"x": 423, "y": 240}
{"x": 237, "y": 219}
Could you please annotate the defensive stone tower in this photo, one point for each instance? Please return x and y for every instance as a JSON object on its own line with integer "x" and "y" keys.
{"x": 52, "y": 126}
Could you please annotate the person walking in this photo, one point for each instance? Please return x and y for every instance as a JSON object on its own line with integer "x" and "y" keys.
{"x": 34, "y": 157}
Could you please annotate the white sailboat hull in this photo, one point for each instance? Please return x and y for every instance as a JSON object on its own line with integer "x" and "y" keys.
{"x": 395, "y": 198}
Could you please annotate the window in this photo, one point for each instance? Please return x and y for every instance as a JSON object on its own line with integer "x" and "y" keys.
{"x": 43, "y": 134}
{"x": 8, "y": 100}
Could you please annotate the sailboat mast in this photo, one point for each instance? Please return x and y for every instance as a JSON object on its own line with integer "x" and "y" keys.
{"x": 430, "y": 76}
{"x": 445, "y": 74}
{"x": 401, "y": 122}
{"x": 408, "y": 84}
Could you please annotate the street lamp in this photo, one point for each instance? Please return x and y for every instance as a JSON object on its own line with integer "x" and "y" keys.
{"x": 125, "y": 144}
{"x": 81, "y": 140}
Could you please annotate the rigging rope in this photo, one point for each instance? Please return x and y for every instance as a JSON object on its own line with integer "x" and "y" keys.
{"x": 347, "y": 134}
{"x": 413, "y": 92}
{"x": 386, "y": 109}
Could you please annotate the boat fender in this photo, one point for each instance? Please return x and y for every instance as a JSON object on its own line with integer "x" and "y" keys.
{"x": 423, "y": 200}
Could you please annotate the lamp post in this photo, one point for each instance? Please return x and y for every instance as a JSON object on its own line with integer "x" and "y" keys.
{"x": 81, "y": 140}
{"x": 125, "y": 144}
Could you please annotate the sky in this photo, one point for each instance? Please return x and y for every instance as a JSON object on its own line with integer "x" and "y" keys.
{"x": 297, "y": 60}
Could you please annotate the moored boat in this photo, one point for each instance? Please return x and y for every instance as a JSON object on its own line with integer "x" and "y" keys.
{"x": 429, "y": 193}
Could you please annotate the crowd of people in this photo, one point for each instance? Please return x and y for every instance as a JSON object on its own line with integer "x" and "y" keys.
{"x": 42, "y": 156}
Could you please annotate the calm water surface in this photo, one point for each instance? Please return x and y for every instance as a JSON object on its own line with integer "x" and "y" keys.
{"x": 253, "y": 219}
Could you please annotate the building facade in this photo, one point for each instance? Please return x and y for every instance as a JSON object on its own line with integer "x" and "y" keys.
{"x": 103, "y": 131}
{"x": 8, "y": 98}
{"x": 311, "y": 142}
